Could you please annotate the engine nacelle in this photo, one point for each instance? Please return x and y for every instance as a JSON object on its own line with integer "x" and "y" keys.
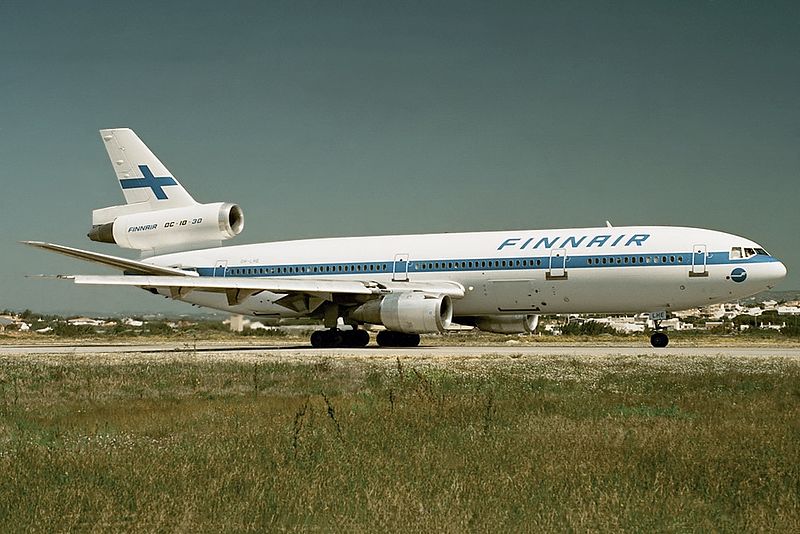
{"x": 411, "y": 313}
{"x": 507, "y": 324}
{"x": 171, "y": 229}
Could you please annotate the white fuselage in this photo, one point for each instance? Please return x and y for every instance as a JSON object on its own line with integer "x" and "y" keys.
{"x": 582, "y": 270}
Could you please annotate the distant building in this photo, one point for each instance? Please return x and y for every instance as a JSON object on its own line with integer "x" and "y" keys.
{"x": 85, "y": 321}
{"x": 236, "y": 323}
{"x": 5, "y": 321}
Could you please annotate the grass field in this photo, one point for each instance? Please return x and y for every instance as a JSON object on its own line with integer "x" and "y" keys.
{"x": 518, "y": 444}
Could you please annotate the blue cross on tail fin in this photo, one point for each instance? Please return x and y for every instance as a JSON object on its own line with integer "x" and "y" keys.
{"x": 156, "y": 183}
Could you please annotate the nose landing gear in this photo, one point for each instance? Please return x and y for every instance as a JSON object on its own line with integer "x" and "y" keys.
{"x": 659, "y": 340}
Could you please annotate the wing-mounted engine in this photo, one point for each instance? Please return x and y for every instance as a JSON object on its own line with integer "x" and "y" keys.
{"x": 167, "y": 230}
{"x": 407, "y": 312}
{"x": 506, "y": 324}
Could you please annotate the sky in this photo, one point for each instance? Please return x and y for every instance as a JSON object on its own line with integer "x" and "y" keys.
{"x": 358, "y": 118}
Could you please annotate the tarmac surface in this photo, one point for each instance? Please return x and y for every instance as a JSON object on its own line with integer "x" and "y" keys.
{"x": 426, "y": 352}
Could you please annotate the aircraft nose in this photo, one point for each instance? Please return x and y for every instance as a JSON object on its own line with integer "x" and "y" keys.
{"x": 777, "y": 272}
{"x": 781, "y": 271}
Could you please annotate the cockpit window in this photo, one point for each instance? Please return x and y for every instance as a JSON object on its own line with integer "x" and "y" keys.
{"x": 738, "y": 253}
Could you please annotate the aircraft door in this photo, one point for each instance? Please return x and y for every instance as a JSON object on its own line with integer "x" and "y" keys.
{"x": 400, "y": 268}
{"x": 699, "y": 261}
{"x": 558, "y": 264}
{"x": 515, "y": 295}
{"x": 220, "y": 268}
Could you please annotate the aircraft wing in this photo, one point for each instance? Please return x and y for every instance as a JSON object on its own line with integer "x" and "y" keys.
{"x": 124, "y": 264}
{"x": 301, "y": 294}
{"x": 238, "y": 289}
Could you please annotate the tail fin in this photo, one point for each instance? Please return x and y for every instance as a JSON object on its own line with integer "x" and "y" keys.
{"x": 144, "y": 180}
{"x": 159, "y": 216}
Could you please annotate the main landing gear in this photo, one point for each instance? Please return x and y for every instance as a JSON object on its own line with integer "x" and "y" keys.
{"x": 332, "y": 338}
{"x": 387, "y": 338}
{"x": 357, "y": 338}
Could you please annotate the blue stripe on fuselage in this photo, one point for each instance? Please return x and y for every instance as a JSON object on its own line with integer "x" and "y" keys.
{"x": 479, "y": 264}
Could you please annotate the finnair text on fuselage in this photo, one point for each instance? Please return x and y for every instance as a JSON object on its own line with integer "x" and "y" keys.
{"x": 522, "y": 243}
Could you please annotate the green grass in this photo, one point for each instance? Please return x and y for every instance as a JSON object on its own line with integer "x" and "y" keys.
{"x": 564, "y": 444}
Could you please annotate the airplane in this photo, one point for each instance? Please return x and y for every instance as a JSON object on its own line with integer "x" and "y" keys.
{"x": 498, "y": 281}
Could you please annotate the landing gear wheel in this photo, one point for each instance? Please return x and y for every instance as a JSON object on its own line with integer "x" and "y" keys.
{"x": 387, "y": 338}
{"x": 317, "y": 339}
{"x": 326, "y": 339}
{"x": 355, "y": 338}
{"x": 659, "y": 340}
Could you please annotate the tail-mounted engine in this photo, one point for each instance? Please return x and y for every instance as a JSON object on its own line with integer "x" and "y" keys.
{"x": 167, "y": 230}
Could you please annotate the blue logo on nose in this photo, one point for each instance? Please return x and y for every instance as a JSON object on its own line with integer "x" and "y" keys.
{"x": 738, "y": 275}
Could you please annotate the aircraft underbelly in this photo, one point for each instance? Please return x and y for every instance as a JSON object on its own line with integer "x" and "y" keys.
{"x": 581, "y": 291}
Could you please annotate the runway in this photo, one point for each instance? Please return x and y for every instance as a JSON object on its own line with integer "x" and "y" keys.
{"x": 427, "y": 352}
